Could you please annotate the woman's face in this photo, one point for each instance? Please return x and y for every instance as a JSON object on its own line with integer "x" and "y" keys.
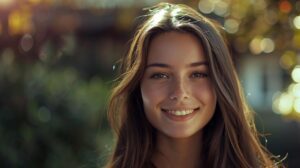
{"x": 178, "y": 96}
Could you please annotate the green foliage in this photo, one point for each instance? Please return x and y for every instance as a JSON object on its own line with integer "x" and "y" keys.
{"x": 51, "y": 117}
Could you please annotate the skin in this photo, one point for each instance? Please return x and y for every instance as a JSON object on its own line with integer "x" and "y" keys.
{"x": 177, "y": 78}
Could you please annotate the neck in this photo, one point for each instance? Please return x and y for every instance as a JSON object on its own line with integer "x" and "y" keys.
{"x": 178, "y": 152}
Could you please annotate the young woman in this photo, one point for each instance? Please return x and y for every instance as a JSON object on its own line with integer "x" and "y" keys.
{"x": 178, "y": 102}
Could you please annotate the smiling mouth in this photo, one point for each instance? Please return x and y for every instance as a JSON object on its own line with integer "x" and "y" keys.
{"x": 182, "y": 112}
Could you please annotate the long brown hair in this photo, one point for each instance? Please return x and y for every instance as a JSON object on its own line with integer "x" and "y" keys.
{"x": 230, "y": 138}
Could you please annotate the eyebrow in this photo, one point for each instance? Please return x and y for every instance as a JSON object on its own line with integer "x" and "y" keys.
{"x": 162, "y": 65}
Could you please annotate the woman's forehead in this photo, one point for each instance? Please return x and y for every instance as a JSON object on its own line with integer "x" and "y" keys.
{"x": 175, "y": 46}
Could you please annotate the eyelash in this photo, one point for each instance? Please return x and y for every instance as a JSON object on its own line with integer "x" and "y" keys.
{"x": 166, "y": 76}
{"x": 159, "y": 76}
{"x": 199, "y": 75}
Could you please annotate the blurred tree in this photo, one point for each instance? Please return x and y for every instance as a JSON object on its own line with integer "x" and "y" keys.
{"x": 49, "y": 117}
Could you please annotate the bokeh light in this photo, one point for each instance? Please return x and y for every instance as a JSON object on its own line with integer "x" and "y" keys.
{"x": 221, "y": 8}
{"x": 288, "y": 102}
{"x": 291, "y": 88}
{"x": 288, "y": 59}
{"x": 206, "y": 6}
{"x": 19, "y": 21}
{"x": 231, "y": 25}
{"x": 283, "y": 104}
{"x": 296, "y": 74}
{"x": 296, "y": 90}
{"x": 297, "y": 105}
{"x": 267, "y": 45}
{"x": 285, "y": 6}
{"x": 255, "y": 45}
{"x": 296, "y": 22}
{"x": 26, "y": 42}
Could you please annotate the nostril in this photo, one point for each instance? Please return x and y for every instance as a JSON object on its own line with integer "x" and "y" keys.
{"x": 178, "y": 92}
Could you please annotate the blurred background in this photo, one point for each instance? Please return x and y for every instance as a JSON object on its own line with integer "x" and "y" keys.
{"x": 57, "y": 61}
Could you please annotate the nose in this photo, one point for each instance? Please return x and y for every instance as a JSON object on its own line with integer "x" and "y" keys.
{"x": 179, "y": 90}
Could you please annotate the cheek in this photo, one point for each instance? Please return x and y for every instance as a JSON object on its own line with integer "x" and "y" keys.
{"x": 152, "y": 94}
{"x": 205, "y": 92}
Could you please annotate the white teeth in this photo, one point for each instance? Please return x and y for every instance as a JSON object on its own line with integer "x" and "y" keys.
{"x": 180, "y": 112}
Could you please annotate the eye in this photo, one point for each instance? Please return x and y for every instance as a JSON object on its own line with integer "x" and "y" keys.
{"x": 199, "y": 75}
{"x": 159, "y": 76}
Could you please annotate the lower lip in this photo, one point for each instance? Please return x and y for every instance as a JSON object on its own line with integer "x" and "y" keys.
{"x": 180, "y": 118}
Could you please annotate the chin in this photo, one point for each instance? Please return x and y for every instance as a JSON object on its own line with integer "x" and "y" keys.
{"x": 176, "y": 134}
